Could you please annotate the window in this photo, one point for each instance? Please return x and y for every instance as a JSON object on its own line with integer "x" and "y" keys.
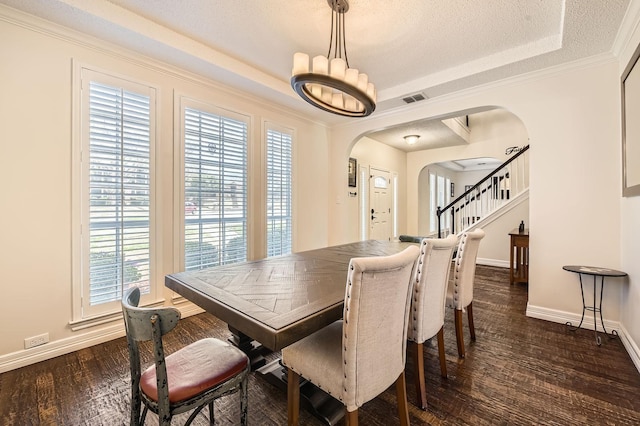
{"x": 215, "y": 187}
{"x": 395, "y": 205}
{"x": 433, "y": 203}
{"x": 279, "y": 177}
{"x": 439, "y": 196}
{"x": 117, "y": 119}
{"x": 364, "y": 201}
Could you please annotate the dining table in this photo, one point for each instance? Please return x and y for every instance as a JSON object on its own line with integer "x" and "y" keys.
{"x": 270, "y": 303}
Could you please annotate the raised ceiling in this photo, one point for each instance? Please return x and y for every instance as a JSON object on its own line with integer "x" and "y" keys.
{"x": 408, "y": 47}
{"x": 431, "y": 47}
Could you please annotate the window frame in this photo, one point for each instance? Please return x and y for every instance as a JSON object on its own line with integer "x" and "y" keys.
{"x": 272, "y": 126}
{"x": 84, "y": 315}
{"x": 182, "y": 102}
{"x": 439, "y": 192}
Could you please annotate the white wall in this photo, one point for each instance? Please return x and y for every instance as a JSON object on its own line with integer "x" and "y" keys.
{"x": 469, "y": 178}
{"x": 498, "y": 125}
{"x": 494, "y": 249}
{"x": 571, "y": 115}
{"x": 371, "y": 153}
{"x": 630, "y": 241}
{"x": 35, "y": 168}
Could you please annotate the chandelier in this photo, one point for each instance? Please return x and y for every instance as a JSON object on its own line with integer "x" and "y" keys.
{"x": 330, "y": 84}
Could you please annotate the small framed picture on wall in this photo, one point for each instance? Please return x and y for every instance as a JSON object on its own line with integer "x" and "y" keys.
{"x": 353, "y": 172}
{"x": 452, "y": 192}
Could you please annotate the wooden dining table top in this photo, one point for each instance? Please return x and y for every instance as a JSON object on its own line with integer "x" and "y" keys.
{"x": 278, "y": 300}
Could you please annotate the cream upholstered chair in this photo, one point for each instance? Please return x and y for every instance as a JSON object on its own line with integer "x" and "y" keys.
{"x": 357, "y": 358}
{"x": 431, "y": 277}
{"x": 460, "y": 290}
{"x": 188, "y": 379}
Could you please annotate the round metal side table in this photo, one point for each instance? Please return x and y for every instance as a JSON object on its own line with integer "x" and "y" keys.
{"x": 595, "y": 272}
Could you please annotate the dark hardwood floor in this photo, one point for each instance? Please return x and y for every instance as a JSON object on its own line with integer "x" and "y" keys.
{"x": 520, "y": 371}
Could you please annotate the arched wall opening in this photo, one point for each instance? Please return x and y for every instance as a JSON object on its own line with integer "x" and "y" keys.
{"x": 572, "y": 118}
{"x": 491, "y": 131}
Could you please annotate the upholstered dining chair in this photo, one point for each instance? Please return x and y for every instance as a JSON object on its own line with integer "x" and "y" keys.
{"x": 460, "y": 290}
{"x": 357, "y": 358}
{"x": 426, "y": 319}
{"x": 188, "y": 379}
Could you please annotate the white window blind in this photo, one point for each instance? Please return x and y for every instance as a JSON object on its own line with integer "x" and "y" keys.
{"x": 279, "y": 210}
{"x": 118, "y": 170}
{"x": 215, "y": 189}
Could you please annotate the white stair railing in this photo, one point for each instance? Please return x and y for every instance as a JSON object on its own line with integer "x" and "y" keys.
{"x": 490, "y": 193}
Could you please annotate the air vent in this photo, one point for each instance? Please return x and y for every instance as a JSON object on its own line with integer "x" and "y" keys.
{"x": 414, "y": 98}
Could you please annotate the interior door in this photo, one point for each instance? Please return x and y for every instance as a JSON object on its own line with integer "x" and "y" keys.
{"x": 380, "y": 204}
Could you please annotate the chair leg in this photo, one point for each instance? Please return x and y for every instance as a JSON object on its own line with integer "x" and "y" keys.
{"x": 212, "y": 415}
{"x": 293, "y": 398}
{"x": 244, "y": 402}
{"x": 352, "y": 418}
{"x": 443, "y": 359}
{"x": 136, "y": 404}
{"x": 421, "y": 392}
{"x": 472, "y": 329}
{"x": 140, "y": 420}
{"x": 459, "y": 335}
{"x": 401, "y": 392}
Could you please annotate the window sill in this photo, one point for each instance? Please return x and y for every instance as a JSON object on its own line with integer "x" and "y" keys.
{"x": 85, "y": 323}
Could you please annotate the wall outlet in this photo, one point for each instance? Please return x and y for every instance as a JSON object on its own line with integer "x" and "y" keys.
{"x": 38, "y": 340}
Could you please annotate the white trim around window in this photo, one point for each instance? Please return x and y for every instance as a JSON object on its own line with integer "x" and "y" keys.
{"x": 211, "y": 201}
{"x": 278, "y": 157}
{"x": 113, "y": 194}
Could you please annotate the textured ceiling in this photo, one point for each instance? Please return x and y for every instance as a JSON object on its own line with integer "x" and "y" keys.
{"x": 434, "y": 47}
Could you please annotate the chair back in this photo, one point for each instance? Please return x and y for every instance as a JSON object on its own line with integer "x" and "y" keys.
{"x": 143, "y": 324}
{"x": 430, "y": 280}
{"x": 376, "y": 309}
{"x": 460, "y": 292}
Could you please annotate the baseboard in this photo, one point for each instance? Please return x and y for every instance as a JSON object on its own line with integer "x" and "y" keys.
{"x": 564, "y": 317}
{"x": 493, "y": 262}
{"x": 630, "y": 346}
{"x": 56, "y": 348}
{"x": 25, "y": 357}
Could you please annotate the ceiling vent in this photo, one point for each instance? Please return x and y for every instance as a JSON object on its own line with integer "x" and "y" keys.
{"x": 415, "y": 98}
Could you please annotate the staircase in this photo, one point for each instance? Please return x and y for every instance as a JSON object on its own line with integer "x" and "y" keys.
{"x": 508, "y": 183}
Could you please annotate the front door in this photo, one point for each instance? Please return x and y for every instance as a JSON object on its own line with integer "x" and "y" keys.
{"x": 380, "y": 202}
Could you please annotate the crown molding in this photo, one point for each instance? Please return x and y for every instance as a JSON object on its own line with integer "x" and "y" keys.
{"x": 627, "y": 28}
{"x": 65, "y": 34}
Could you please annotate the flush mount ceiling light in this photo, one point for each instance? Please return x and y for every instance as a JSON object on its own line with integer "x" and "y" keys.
{"x": 411, "y": 139}
{"x": 331, "y": 84}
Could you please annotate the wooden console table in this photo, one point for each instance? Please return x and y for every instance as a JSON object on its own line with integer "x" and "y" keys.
{"x": 519, "y": 256}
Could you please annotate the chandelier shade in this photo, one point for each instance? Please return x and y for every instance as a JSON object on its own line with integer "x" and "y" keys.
{"x": 329, "y": 83}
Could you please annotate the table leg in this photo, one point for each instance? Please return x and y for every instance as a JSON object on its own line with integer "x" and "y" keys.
{"x": 511, "y": 276}
{"x": 246, "y": 344}
{"x": 584, "y": 307}
{"x": 313, "y": 399}
{"x": 613, "y": 333}
{"x": 595, "y": 324}
{"x": 595, "y": 308}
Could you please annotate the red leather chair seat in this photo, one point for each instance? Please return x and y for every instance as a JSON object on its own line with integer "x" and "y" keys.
{"x": 195, "y": 368}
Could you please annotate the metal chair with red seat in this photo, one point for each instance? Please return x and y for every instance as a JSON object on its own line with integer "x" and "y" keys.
{"x": 188, "y": 379}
